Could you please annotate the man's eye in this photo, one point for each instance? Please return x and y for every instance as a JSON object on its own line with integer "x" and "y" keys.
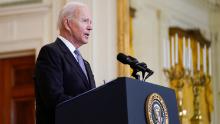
{"x": 85, "y": 20}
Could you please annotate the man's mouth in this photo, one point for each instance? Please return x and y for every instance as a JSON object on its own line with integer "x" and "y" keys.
{"x": 86, "y": 34}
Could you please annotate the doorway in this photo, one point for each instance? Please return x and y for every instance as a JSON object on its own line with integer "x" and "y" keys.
{"x": 17, "y": 99}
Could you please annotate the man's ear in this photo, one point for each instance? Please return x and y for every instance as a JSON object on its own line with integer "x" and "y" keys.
{"x": 66, "y": 25}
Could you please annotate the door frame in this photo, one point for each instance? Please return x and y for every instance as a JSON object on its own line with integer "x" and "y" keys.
{"x": 8, "y": 55}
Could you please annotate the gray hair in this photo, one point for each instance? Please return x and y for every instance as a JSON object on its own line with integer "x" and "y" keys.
{"x": 68, "y": 11}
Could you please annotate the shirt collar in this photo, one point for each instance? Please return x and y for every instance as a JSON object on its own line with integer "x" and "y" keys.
{"x": 67, "y": 43}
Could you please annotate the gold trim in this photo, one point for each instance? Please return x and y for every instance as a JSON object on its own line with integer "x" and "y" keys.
{"x": 148, "y": 108}
{"x": 123, "y": 34}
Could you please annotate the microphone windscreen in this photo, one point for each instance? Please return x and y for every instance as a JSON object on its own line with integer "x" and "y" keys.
{"x": 133, "y": 59}
{"x": 123, "y": 58}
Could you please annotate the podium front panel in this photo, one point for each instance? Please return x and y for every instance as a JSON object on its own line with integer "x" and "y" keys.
{"x": 121, "y": 101}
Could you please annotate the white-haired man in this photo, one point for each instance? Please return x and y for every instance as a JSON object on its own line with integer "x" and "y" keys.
{"x": 61, "y": 72}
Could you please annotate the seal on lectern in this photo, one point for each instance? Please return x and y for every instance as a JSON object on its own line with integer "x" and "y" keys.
{"x": 156, "y": 110}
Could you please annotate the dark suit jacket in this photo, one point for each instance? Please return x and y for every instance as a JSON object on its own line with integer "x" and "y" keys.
{"x": 58, "y": 77}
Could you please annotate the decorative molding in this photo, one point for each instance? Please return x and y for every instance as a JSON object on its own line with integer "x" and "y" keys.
{"x": 17, "y": 2}
{"x": 20, "y": 45}
{"x": 213, "y": 5}
{"x": 195, "y": 33}
{"x": 17, "y": 53}
{"x": 24, "y": 9}
{"x": 177, "y": 9}
{"x": 20, "y": 40}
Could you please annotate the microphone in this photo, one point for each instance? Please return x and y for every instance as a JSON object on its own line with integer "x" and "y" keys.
{"x": 133, "y": 62}
{"x": 135, "y": 65}
{"x": 124, "y": 59}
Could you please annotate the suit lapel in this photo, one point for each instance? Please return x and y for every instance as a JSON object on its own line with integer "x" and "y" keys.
{"x": 90, "y": 74}
{"x": 71, "y": 59}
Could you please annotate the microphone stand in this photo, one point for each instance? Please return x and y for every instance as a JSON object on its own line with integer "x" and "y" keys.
{"x": 148, "y": 75}
{"x": 134, "y": 74}
{"x": 135, "y": 70}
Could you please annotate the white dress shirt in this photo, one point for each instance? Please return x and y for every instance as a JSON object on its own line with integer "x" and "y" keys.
{"x": 69, "y": 45}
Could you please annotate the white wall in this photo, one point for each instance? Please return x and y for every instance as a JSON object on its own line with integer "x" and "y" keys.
{"x": 21, "y": 27}
{"x": 104, "y": 40}
{"x": 146, "y": 40}
{"x": 28, "y": 27}
{"x": 151, "y": 27}
{"x": 215, "y": 31}
{"x": 153, "y": 18}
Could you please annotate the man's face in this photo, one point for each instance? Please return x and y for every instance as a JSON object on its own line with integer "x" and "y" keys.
{"x": 81, "y": 26}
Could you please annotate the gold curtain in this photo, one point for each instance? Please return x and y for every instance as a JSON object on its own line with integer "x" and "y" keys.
{"x": 187, "y": 93}
{"x": 123, "y": 19}
{"x": 205, "y": 96}
{"x": 132, "y": 12}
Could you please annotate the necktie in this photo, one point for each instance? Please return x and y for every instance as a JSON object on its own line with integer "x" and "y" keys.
{"x": 80, "y": 61}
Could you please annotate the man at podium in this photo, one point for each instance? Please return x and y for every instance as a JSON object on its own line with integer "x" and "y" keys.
{"x": 61, "y": 72}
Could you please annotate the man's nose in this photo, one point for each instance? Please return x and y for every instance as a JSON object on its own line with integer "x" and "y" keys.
{"x": 89, "y": 27}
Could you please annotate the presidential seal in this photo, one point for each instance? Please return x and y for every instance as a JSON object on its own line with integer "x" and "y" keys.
{"x": 156, "y": 110}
